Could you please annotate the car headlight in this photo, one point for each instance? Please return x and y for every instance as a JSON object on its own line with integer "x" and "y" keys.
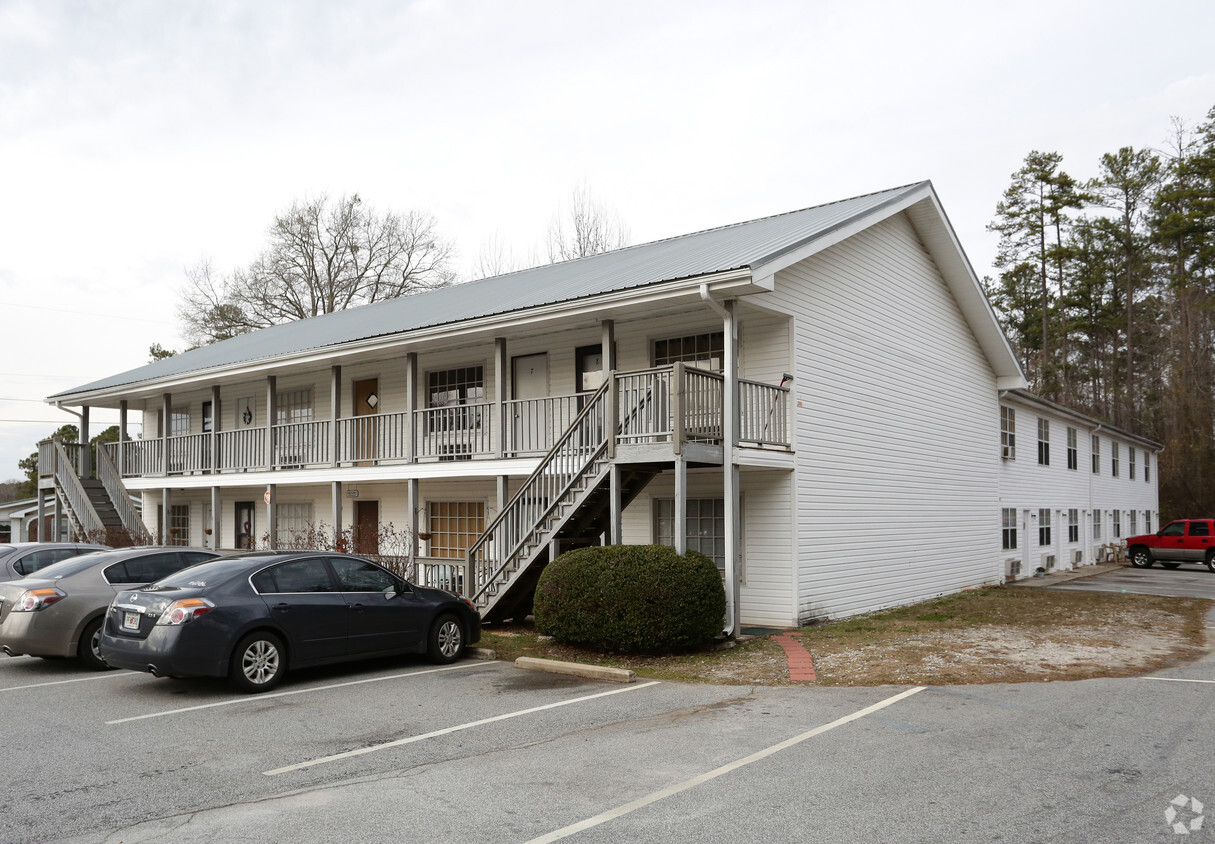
{"x": 185, "y": 611}
{"x": 33, "y": 600}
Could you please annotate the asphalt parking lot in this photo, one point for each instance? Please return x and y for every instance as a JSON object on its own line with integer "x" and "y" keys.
{"x": 482, "y": 751}
{"x": 1190, "y": 580}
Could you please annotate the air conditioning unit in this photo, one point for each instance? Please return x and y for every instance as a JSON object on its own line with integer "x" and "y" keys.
{"x": 1079, "y": 557}
{"x": 1007, "y": 452}
{"x": 1012, "y": 568}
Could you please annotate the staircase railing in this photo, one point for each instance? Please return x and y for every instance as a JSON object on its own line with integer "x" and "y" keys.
{"x": 107, "y": 472}
{"x": 541, "y": 493}
{"x": 74, "y": 495}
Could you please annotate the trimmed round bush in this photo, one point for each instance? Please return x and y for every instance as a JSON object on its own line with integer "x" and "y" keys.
{"x": 631, "y": 599}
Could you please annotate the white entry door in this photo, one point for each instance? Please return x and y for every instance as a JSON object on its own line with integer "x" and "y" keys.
{"x": 529, "y": 419}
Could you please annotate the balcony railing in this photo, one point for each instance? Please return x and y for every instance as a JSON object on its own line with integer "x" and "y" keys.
{"x": 662, "y": 404}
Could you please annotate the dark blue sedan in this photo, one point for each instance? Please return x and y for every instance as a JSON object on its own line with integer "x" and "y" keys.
{"x": 252, "y": 617}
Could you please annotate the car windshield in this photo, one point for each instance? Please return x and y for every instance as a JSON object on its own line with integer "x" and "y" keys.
{"x": 72, "y": 565}
{"x": 206, "y": 574}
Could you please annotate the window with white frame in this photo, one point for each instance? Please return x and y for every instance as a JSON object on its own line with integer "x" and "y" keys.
{"x": 1130, "y": 466}
{"x": 453, "y": 527}
{"x": 1073, "y": 450}
{"x": 706, "y": 526}
{"x": 1008, "y": 528}
{"x": 1096, "y": 524}
{"x": 179, "y": 423}
{"x": 293, "y": 406}
{"x": 179, "y": 525}
{"x": 703, "y": 351}
{"x": 1132, "y": 519}
{"x": 295, "y": 525}
{"x": 1147, "y": 466}
{"x": 1043, "y": 442}
{"x": 451, "y": 390}
{"x": 1073, "y": 525}
{"x": 1113, "y": 458}
{"x": 1117, "y": 522}
{"x": 1147, "y": 521}
{"x": 1044, "y": 525}
{"x": 1008, "y": 433}
{"x": 1096, "y": 455}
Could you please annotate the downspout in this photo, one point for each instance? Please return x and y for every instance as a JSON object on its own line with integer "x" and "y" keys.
{"x": 729, "y": 485}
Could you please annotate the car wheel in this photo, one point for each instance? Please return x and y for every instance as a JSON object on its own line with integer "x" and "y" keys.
{"x": 1170, "y": 565}
{"x": 1141, "y": 558}
{"x": 446, "y": 640}
{"x": 1211, "y": 560}
{"x": 87, "y": 650}
{"x": 258, "y": 663}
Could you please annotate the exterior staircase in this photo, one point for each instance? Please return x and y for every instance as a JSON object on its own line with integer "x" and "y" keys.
{"x": 565, "y": 503}
{"x": 98, "y": 507}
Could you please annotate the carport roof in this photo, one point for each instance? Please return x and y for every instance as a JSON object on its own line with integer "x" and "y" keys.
{"x": 740, "y": 246}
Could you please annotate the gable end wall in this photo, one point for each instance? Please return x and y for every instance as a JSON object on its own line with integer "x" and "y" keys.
{"x": 896, "y": 427}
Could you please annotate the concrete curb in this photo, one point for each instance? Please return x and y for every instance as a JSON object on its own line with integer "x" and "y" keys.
{"x": 593, "y": 672}
{"x": 480, "y": 653}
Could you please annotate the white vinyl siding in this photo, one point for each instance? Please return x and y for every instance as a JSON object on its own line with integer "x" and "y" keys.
{"x": 931, "y": 476}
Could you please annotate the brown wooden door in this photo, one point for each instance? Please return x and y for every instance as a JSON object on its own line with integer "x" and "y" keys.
{"x": 366, "y": 431}
{"x": 366, "y": 527}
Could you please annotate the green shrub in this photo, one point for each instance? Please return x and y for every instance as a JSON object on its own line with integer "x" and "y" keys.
{"x": 631, "y": 599}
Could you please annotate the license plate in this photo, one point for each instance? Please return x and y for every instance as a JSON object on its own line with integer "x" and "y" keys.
{"x": 130, "y": 620}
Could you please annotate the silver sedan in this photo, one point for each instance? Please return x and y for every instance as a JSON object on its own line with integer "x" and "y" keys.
{"x": 58, "y": 611}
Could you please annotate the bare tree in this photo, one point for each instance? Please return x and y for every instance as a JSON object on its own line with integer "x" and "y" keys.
{"x": 496, "y": 258}
{"x": 584, "y": 225}
{"x": 321, "y": 257}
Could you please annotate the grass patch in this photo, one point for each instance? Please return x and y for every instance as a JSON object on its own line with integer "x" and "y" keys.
{"x": 994, "y": 635}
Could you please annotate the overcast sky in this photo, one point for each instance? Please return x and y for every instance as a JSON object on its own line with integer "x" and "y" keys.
{"x": 137, "y": 138}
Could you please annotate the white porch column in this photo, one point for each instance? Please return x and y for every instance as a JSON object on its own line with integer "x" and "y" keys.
{"x": 122, "y": 438}
{"x": 730, "y": 480}
{"x": 500, "y": 387}
{"x": 57, "y": 520}
{"x": 85, "y": 467}
{"x": 335, "y": 495}
{"x": 216, "y": 521}
{"x": 271, "y": 415}
{"x": 166, "y": 413}
{"x": 335, "y": 403}
{"x": 215, "y": 427}
{"x": 41, "y": 524}
{"x": 411, "y": 504}
{"x": 607, "y": 346}
{"x": 681, "y": 504}
{"x": 164, "y": 516}
{"x": 616, "y": 531}
{"x": 271, "y": 498}
{"x": 411, "y": 404}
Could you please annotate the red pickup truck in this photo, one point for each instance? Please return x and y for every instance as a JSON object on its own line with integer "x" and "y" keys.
{"x": 1182, "y": 541}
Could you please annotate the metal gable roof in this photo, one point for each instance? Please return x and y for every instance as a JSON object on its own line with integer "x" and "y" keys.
{"x": 741, "y": 245}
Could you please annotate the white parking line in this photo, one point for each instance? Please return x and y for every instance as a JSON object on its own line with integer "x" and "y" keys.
{"x": 717, "y": 772}
{"x": 411, "y": 739}
{"x": 1176, "y": 680}
{"x": 253, "y": 698}
{"x": 75, "y": 680}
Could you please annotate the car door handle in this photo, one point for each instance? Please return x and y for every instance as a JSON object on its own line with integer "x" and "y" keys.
{"x": 282, "y": 607}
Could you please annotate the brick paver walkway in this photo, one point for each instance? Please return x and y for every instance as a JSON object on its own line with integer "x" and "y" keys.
{"x": 801, "y": 664}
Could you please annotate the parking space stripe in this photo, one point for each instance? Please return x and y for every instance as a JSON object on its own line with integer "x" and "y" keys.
{"x": 411, "y": 739}
{"x": 74, "y": 680}
{"x": 254, "y": 698}
{"x": 642, "y": 802}
{"x": 1176, "y": 680}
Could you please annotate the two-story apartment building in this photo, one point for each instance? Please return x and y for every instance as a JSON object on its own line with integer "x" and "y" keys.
{"x": 1071, "y": 488}
{"x": 814, "y": 400}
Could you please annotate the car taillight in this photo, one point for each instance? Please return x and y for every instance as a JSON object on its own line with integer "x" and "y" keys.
{"x": 33, "y": 600}
{"x": 181, "y": 612}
